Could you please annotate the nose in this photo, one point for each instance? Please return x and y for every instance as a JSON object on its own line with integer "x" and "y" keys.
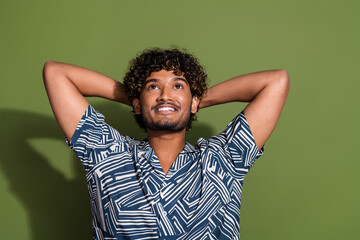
{"x": 165, "y": 95}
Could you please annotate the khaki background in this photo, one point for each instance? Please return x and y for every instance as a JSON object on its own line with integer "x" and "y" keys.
{"x": 305, "y": 186}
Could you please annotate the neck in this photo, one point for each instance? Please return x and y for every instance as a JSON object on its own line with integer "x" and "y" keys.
{"x": 163, "y": 140}
{"x": 167, "y": 146}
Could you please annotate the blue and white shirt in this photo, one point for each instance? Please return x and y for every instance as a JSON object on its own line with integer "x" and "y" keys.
{"x": 132, "y": 198}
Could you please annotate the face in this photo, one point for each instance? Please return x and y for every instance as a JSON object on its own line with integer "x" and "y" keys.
{"x": 165, "y": 102}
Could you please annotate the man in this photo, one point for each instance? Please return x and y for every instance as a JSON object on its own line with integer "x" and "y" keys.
{"x": 162, "y": 187}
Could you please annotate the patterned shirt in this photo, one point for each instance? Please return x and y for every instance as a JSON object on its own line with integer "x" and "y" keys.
{"x": 132, "y": 198}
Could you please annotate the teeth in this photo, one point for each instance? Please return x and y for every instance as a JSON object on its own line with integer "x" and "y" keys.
{"x": 166, "y": 109}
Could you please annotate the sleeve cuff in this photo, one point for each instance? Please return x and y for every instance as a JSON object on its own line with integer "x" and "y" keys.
{"x": 76, "y": 134}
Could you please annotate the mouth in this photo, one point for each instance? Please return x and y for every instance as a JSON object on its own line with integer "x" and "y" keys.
{"x": 165, "y": 108}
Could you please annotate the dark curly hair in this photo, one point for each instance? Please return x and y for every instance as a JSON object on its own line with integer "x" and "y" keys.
{"x": 156, "y": 59}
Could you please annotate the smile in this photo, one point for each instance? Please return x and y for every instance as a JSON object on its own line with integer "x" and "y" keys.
{"x": 164, "y": 109}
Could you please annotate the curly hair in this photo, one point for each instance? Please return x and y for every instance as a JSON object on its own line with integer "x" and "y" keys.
{"x": 156, "y": 59}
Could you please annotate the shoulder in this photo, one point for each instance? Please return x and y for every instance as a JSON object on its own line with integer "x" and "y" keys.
{"x": 235, "y": 144}
{"x": 92, "y": 130}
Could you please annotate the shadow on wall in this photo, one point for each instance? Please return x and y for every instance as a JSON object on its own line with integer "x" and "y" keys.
{"x": 58, "y": 208}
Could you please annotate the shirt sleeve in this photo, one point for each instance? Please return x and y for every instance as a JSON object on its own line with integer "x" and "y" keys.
{"x": 92, "y": 137}
{"x": 241, "y": 142}
{"x": 236, "y": 144}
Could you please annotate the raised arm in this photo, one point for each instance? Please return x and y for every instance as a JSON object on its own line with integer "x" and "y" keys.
{"x": 67, "y": 86}
{"x": 266, "y": 91}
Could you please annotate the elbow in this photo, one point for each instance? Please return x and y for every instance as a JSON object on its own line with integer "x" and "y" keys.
{"x": 48, "y": 69}
{"x": 283, "y": 75}
{"x": 281, "y": 81}
{"x": 283, "y": 78}
{"x": 48, "y": 65}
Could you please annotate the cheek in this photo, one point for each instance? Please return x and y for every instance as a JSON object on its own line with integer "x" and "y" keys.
{"x": 145, "y": 104}
{"x": 188, "y": 103}
{"x": 145, "y": 100}
{"x": 185, "y": 99}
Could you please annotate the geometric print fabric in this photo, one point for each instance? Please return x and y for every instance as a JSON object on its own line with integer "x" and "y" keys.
{"x": 132, "y": 198}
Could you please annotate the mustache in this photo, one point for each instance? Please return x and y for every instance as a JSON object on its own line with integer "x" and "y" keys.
{"x": 167, "y": 103}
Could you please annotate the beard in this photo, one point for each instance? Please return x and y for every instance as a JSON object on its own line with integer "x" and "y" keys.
{"x": 166, "y": 125}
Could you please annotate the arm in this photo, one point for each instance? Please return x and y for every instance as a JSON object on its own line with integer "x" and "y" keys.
{"x": 266, "y": 91}
{"x": 67, "y": 85}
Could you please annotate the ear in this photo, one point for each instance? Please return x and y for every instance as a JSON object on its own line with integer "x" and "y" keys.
{"x": 136, "y": 106}
{"x": 195, "y": 103}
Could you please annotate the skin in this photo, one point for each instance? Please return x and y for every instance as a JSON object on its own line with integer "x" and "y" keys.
{"x": 266, "y": 91}
{"x": 164, "y": 89}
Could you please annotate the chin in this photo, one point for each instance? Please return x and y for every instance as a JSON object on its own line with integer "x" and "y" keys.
{"x": 166, "y": 126}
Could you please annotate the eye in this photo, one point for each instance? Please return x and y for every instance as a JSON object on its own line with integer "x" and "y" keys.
{"x": 152, "y": 87}
{"x": 178, "y": 86}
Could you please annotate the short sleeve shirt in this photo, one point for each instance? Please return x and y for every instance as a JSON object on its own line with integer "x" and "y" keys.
{"x": 132, "y": 198}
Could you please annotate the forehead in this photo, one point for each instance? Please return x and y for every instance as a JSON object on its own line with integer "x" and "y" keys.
{"x": 165, "y": 75}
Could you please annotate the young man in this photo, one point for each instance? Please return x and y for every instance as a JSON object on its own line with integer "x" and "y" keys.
{"x": 162, "y": 187}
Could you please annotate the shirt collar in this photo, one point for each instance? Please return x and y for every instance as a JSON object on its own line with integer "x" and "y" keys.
{"x": 144, "y": 146}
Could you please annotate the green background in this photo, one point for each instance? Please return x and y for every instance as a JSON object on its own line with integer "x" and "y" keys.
{"x": 305, "y": 186}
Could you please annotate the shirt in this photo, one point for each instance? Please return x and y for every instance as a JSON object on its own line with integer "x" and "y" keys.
{"x": 132, "y": 198}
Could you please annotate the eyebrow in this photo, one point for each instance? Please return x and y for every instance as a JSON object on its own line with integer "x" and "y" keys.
{"x": 173, "y": 79}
